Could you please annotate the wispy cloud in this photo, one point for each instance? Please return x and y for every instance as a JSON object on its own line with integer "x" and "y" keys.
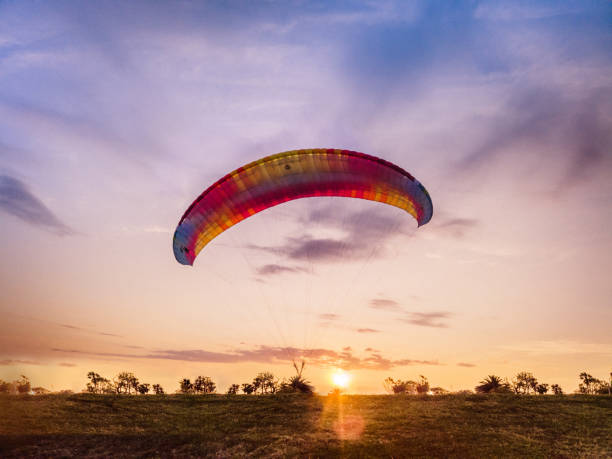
{"x": 559, "y": 347}
{"x": 452, "y": 226}
{"x": 17, "y": 200}
{"x": 67, "y": 364}
{"x": 547, "y": 125}
{"x": 329, "y": 316}
{"x": 466, "y": 364}
{"x": 367, "y": 330}
{"x": 366, "y": 234}
{"x": 273, "y": 355}
{"x": 427, "y": 319}
{"x": 18, "y": 362}
{"x": 74, "y": 327}
{"x": 385, "y": 304}
{"x": 273, "y": 269}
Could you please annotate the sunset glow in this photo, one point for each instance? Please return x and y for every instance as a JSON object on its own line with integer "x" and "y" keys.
{"x": 341, "y": 379}
{"x": 116, "y": 116}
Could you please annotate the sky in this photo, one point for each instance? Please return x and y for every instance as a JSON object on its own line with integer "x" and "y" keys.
{"x": 115, "y": 116}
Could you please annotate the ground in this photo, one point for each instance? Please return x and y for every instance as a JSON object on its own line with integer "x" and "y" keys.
{"x": 349, "y": 425}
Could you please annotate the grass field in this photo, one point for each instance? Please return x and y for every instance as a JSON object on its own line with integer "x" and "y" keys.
{"x": 350, "y": 425}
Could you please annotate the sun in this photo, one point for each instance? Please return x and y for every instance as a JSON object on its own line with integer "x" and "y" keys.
{"x": 341, "y": 379}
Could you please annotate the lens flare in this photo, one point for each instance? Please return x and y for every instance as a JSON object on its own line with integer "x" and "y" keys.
{"x": 341, "y": 379}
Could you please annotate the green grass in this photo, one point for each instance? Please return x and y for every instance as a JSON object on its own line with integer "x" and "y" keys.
{"x": 353, "y": 425}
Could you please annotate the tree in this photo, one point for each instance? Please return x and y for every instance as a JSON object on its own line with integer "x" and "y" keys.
{"x": 186, "y": 386}
{"x": 143, "y": 388}
{"x": 204, "y": 385}
{"x": 297, "y": 383}
{"x": 423, "y": 385}
{"x": 233, "y": 389}
{"x": 492, "y": 384}
{"x": 23, "y": 385}
{"x": 248, "y": 388}
{"x": 158, "y": 390}
{"x": 525, "y": 383}
{"x": 5, "y": 387}
{"x": 592, "y": 385}
{"x": 556, "y": 389}
{"x": 97, "y": 384}
{"x": 541, "y": 388}
{"x": 589, "y": 384}
{"x": 265, "y": 383}
{"x": 397, "y": 386}
{"x": 126, "y": 382}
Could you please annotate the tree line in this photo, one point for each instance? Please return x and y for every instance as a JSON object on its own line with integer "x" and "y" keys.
{"x": 263, "y": 383}
{"x": 524, "y": 383}
{"x": 126, "y": 383}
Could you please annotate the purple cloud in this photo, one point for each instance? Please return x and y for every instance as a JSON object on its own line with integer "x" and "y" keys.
{"x": 427, "y": 319}
{"x": 385, "y": 304}
{"x": 272, "y": 355}
{"x": 17, "y": 200}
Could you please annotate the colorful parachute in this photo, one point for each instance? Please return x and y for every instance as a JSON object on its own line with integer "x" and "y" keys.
{"x": 292, "y": 175}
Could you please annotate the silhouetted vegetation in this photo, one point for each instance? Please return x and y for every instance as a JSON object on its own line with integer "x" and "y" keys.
{"x": 524, "y": 383}
{"x": 265, "y": 383}
{"x": 233, "y": 389}
{"x": 98, "y": 384}
{"x": 186, "y": 387}
{"x": 125, "y": 383}
{"x": 201, "y": 385}
{"x": 297, "y": 382}
{"x": 556, "y": 389}
{"x": 204, "y": 385}
{"x": 492, "y": 384}
{"x": 397, "y": 386}
{"x": 143, "y": 388}
{"x": 248, "y": 388}
{"x": 5, "y": 387}
{"x": 158, "y": 390}
{"x": 23, "y": 385}
{"x": 592, "y": 385}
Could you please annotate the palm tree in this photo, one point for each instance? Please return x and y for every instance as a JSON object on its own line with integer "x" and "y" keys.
{"x": 492, "y": 383}
{"x": 298, "y": 383}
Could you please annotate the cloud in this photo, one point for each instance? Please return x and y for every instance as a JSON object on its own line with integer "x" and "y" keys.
{"x": 453, "y": 226}
{"x": 74, "y": 327}
{"x": 427, "y": 319}
{"x": 66, "y": 364}
{"x": 272, "y": 355}
{"x": 272, "y": 269}
{"x": 465, "y": 364}
{"x": 367, "y": 330}
{"x": 385, "y": 304}
{"x": 18, "y": 362}
{"x": 545, "y": 125}
{"x": 559, "y": 347}
{"x": 17, "y": 200}
{"x": 329, "y": 316}
{"x": 366, "y": 235}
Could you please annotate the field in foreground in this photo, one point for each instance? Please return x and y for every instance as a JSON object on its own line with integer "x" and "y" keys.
{"x": 350, "y": 425}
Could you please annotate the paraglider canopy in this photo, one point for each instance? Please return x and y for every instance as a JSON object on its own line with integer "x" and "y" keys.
{"x": 291, "y": 175}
